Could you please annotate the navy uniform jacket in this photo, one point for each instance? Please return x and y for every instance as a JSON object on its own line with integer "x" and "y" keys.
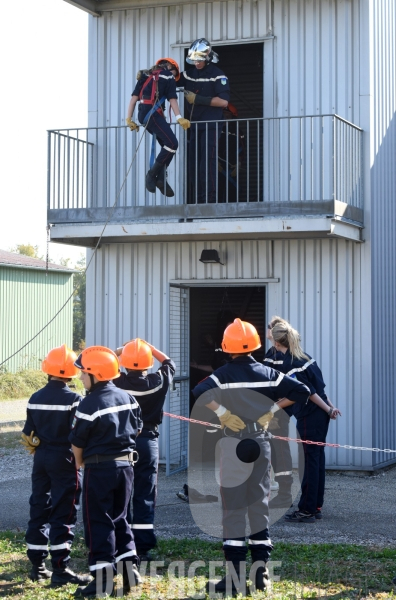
{"x": 50, "y": 413}
{"x": 272, "y": 358}
{"x": 149, "y": 390}
{"x": 307, "y": 371}
{"x": 209, "y": 81}
{"x": 245, "y": 373}
{"x": 107, "y": 421}
{"x": 166, "y": 86}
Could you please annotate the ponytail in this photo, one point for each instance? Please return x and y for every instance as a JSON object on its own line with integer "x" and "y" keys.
{"x": 287, "y": 336}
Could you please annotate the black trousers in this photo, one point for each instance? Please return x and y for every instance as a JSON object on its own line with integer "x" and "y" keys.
{"x": 313, "y": 427}
{"x": 106, "y": 491}
{"x": 245, "y": 487}
{"x": 280, "y": 451}
{"x": 158, "y": 126}
{"x": 203, "y": 171}
{"x": 56, "y": 490}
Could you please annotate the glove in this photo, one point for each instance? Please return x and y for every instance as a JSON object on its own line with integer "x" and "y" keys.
{"x": 219, "y": 168}
{"x": 30, "y": 442}
{"x": 185, "y": 123}
{"x": 196, "y": 99}
{"x": 273, "y": 425}
{"x": 265, "y": 420}
{"x": 231, "y": 421}
{"x": 131, "y": 124}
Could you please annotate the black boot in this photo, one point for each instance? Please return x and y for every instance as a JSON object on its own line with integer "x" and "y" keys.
{"x": 163, "y": 185}
{"x": 261, "y": 580}
{"x": 284, "y": 498}
{"x": 39, "y": 573}
{"x": 100, "y": 586}
{"x": 151, "y": 177}
{"x": 130, "y": 577}
{"x": 233, "y": 583}
{"x": 63, "y": 576}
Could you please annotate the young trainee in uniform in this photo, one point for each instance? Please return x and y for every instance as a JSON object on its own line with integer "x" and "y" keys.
{"x": 207, "y": 90}
{"x": 56, "y": 484}
{"x": 154, "y": 86}
{"x": 244, "y": 392}
{"x": 150, "y": 391}
{"x": 103, "y": 441}
{"x": 312, "y": 422}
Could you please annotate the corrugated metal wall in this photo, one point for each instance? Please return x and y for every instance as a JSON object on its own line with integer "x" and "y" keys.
{"x": 320, "y": 291}
{"x": 383, "y": 194}
{"x": 312, "y": 67}
{"x": 28, "y": 300}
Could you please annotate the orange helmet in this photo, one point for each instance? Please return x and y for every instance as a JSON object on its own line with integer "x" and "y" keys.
{"x": 136, "y": 355}
{"x": 240, "y": 337}
{"x": 59, "y": 362}
{"x": 172, "y": 62}
{"x": 100, "y": 362}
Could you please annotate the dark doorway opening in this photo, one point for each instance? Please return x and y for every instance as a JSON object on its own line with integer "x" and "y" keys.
{"x": 211, "y": 309}
{"x": 243, "y": 65}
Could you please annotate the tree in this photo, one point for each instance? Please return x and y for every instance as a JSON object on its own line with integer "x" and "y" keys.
{"x": 79, "y": 305}
{"x": 27, "y": 250}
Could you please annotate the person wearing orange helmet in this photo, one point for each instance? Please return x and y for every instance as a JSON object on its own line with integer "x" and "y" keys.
{"x": 244, "y": 394}
{"x": 56, "y": 484}
{"x": 154, "y": 86}
{"x": 150, "y": 390}
{"x": 103, "y": 439}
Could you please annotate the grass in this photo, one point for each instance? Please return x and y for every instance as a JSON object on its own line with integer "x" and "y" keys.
{"x": 23, "y": 383}
{"x": 330, "y": 571}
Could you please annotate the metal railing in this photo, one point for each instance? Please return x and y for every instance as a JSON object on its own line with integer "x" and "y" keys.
{"x": 290, "y": 159}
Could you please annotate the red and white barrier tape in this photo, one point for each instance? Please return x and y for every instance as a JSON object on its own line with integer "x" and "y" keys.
{"x": 287, "y": 439}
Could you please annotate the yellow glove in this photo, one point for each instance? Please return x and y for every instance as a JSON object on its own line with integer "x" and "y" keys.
{"x": 30, "y": 442}
{"x": 231, "y": 421}
{"x": 185, "y": 123}
{"x": 190, "y": 97}
{"x": 274, "y": 424}
{"x": 265, "y": 420}
{"x": 219, "y": 168}
{"x": 131, "y": 124}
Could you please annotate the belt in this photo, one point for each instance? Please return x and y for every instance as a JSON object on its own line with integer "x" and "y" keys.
{"x": 132, "y": 458}
{"x": 143, "y": 101}
{"x": 150, "y": 426}
{"x": 250, "y": 428}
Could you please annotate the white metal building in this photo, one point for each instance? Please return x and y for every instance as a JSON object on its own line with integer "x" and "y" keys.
{"x": 313, "y": 240}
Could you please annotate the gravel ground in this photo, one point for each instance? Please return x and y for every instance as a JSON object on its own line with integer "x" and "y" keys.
{"x": 358, "y": 509}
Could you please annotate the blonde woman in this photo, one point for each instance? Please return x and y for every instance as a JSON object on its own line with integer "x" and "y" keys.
{"x": 312, "y": 419}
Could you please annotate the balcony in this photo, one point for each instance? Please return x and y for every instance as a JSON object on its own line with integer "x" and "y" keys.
{"x": 286, "y": 177}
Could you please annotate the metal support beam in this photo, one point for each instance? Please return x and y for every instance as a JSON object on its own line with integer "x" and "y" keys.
{"x": 90, "y": 6}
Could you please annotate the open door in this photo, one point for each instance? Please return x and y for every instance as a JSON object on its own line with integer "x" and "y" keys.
{"x": 179, "y": 394}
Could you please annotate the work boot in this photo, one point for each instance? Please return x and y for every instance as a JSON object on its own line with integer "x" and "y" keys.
{"x": 39, "y": 573}
{"x": 261, "y": 580}
{"x": 130, "y": 577}
{"x": 283, "y": 499}
{"x": 98, "y": 587}
{"x": 300, "y": 516}
{"x": 151, "y": 177}
{"x": 63, "y": 576}
{"x": 232, "y": 584}
{"x": 163, "y": 185}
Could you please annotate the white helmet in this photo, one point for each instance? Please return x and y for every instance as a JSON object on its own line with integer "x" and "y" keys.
{"x": 201, "y": 50}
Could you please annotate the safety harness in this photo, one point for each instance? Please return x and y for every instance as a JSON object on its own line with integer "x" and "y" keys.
{"x": 156, "y": 104}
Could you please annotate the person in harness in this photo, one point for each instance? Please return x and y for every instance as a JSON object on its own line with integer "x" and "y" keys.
{"x": 154, "y": 86}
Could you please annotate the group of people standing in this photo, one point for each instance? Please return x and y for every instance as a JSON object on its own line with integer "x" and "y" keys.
{"x": 207, "y": 93}
{"x": 112, "y": 433}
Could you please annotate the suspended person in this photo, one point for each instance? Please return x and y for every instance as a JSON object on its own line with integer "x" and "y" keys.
{"x": 281, "y": 459}
{"x": 56, "y": 483}
{"x": 103, "y": 439}
{"x": 312, "y": 419}
{"x": 207, "y": 91}
{"x": 154, "y": 86}
{"x": 242, "y": 394}
{"x": 150, "y": 391}
{"x": 231, "y": 156}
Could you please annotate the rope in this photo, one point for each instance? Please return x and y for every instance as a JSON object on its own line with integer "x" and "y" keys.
{"x": 91, "y": 259}
{"x": 288, "y": 439}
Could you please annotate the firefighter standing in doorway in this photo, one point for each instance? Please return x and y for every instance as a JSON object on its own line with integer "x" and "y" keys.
{"x": 103, "y": 436}
{"x": 150, "y": 391}
{"x": 242, "y": 394}
{"x": 56, "y": 484}
{"x": 154, "y": 86}
{"x": 207, "y": 91}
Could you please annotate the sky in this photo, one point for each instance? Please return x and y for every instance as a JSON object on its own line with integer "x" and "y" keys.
{"x": 43, "y": 70}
